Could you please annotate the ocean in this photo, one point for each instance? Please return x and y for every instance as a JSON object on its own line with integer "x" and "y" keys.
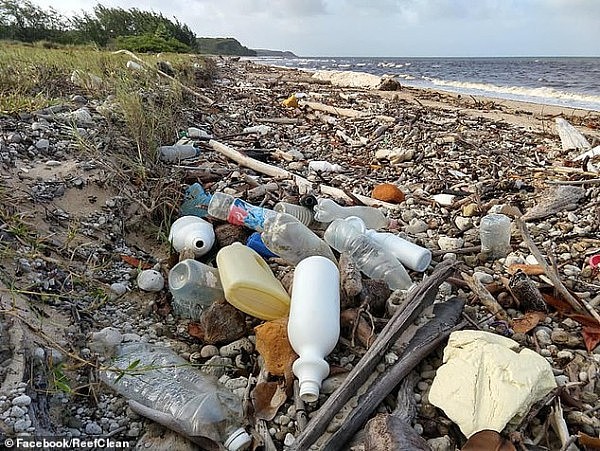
{"x": 565, "y": 81}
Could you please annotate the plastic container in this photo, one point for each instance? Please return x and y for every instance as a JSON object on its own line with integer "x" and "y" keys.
{"x": 494, "y": 232}
{"x": 372, "y": 259}
{"x": 249, "y": 283}
{"x": 293, "y": 241}
{"x": 193, "y": 233}
{"x": 303, "y": 214}
{"x": 177, "y": 152}
{"x": 324, "y": 166}
{"x": 327, "y": 210}
{"x": 198, "y": 133}
{"x": 195, "y": 402}
{"x": 236, "y": 211}
{"x": 194, "y": 286}
{"x": 255, "y": 243}
{"x": 195, "y": 201}
{"x": 410, "y": 255}
{"x": 314, "y": 322}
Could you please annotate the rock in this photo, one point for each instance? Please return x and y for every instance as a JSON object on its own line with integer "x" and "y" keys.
{"x": 106, "y": 340}
{"x": 447, "y": 243}
{"x": 21, "y": 425}
{"x": 483, "y": 277}
{"x": 463, "y": 223}
{"x": 92, "y": 428}
{"x": 232, "y": 349}
{"x": 416, "y": 226}
{"x": 235, "y": 383}
{"x": 226, "y": 234}
{"x": 17, "y": 412}
{"x": 14, "y": 138}
{"x": 543, "y": 336}
{"x": 216, "y": 366}
{"x": 389, "y": 84}
{"x": 470, "y": 210}
{"x": 209, "y": 351}
{"x": 332, "y": 383}
{"x": 42, "y": 144}
{"x": 289, "y": 439}
{"x": 118, "y": 288}
{"x": 78, "y": 99}
{"x": 150, "y": 280}
{"x": 441, "y": 444}
{"x": 219, "y": 323}
{"x": 21, "y": 400}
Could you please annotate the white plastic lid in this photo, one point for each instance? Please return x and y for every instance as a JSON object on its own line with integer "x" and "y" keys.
{"x": 238, "y": 440}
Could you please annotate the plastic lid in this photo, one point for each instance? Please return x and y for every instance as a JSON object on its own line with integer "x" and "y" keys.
{"x": 309, "y": 391}
{"x": 238, "y": 440}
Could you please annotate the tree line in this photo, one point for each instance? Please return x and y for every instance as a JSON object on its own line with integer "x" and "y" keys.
{"x": 131, "y": 29}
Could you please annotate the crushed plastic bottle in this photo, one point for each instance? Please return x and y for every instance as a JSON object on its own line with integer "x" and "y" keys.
{"x": 194, "y": 286}
{"x": 238, "y": 212}
{"x": 376, "y": 262}
{"x": 291, "y": 240}
{"x": 494, "y": 231}
{"x": 177, "y": 152}
{"x": 163, "y": 386}
{"x": 195, "y": 201}
{"x": 303, "y": 214}
{"x": 327, "y": 210}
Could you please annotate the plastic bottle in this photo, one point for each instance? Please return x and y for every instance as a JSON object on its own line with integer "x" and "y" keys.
{"x": 196, "y": 403}
{"x": 255, "y": 243}
{"x": 249, "y": 283}
{"x": 177, "y": 152}
{"x": 305, "y": 215}
{"x": 494, "y": 232}
{"x": 194, "y": 286}
{"x": 291, "y": 240}
{"x": 314, "y": 322}
{"x": 327, "y": 210}
{"x": 235, "y": 211}
{"x": 410, "y": 255}
{"x": 193, "y": 233}
{"x": 195, "y": 201}
{"x": 198, "y": 133}
{"x": 324, "y": 166}
{"x": 376, "y": 262}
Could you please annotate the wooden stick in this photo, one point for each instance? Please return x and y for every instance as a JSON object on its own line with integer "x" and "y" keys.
{"x": 303, "y": 184}
{"x": 552, "y": 275}
{"x": 422, "y": 296}
{"x": 425, "y": 341}
{"x": 485, "y": 297}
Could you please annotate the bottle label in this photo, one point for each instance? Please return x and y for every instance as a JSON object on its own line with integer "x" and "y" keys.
{"x": 243, "y": 214}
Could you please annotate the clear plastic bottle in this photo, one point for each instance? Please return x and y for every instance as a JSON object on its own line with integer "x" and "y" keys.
{"x": 327, "y": 210}
{"x": 303, "y": 214}
{"x": 177, "y": 152}
{"x": 194, "y": 286}
{"x": 494, "y": 232}
{"x": 287, "y": 237}
{"x": 410, "y": 255}
{"x": 372, "y": 259}
{"x": 236, "y": 211}
{"x": 193, "y": 402}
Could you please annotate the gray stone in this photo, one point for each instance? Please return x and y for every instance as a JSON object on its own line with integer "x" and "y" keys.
{"x": 463, "y": 223}
{"x": 92, "y": 428}
{"x": 17, "y": 412}
{"x": 238, "y": 382}
{"x": 416, "y": 226}
{"x": 289, "y": 439}
{"x": 209, "y": 351}
{"x": 236, "y": 347}
{"x": 22, "y": 425}
{"x": 441, "y": 444}
{"x": 483, "y": 277}
{"x": 447, "y": 243}
{"x": 42, "y": 144}
{"x": 22, "y": 400}
{"x": 217, "y": 365}
{"x": 118, "y": 288}
{"x": 14, "y": 138}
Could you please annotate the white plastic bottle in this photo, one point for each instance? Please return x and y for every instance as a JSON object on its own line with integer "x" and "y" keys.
{"x": 494, "y": 231}
{"x": 236, "y": 211}
{"x": 372, "y": 259}
{"x": 177, "y": 152}
{"x": 327, "y": 210}
{"x": 165, "y": 386}
{"x": 410, "y": 255}
{"x": 193, "y": 233}
{"x": 287, "y": 237}
{"x": 314, "y": 322}
{"x": 194, "y": 286}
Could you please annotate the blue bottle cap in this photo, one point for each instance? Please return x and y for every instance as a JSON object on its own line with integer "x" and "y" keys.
{"x": 255, "y": 242}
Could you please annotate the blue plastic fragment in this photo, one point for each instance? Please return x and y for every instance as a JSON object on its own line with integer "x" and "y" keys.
{"x": 195, "y": 201}
{"x": 255, "y": 242}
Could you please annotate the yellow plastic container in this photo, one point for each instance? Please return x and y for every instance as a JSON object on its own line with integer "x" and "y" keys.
{"x": 249, "y": 283}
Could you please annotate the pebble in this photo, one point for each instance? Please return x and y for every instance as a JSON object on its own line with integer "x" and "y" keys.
{"x": 217, "y": 365}
{"x": 238, "y": 382}
{"x": 14, "y": 138}
{"x": 463, "y": 223}
{"x": 17, "y": 412}
{"x": 543, "y": 336}
{"x": 53, "y": 163}
{"x": 441, "y": 444}
{"x": 209, "y": 351}
{"x": 92, "y": 428}
{"x": 289, "y": 439}
{"x": 21, "y": 425}
{"x": 236, "y": 347}
{"x": 447, "y": 243}
{"x": 118, "y": 288}
{"x": 42, "y": 144}
{"x": 564, "y": 355}
{"x": 21, "y": 400}
{"x": 483, "y": 277}
{"x": 416, "y": 226}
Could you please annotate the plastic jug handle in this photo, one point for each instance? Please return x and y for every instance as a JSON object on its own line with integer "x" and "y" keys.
{"x": 262, "y": 263}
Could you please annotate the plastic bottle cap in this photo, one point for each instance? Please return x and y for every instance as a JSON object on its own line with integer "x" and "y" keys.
{"x": 595, "y": 261}
{"x": 309, "y": 391}
{"x": 238, "y": 440}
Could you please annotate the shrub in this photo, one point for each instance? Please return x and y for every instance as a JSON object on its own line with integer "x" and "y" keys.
{"x": 151, "y": 43}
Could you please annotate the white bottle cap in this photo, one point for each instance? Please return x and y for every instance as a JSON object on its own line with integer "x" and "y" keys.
{"x": 309, "y": 391}
{"x": 238, "y": 440}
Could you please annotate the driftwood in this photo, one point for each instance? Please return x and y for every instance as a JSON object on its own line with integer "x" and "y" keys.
{"x": 485, "y": 297}
{"x": 422, "y": 296}
{"x": 559, "y": 199}
{"x": 426, "y": 339}
{"x": 386, "y": 432}
{"x": 303, "y": 184}
{"x": 552, "y": 275}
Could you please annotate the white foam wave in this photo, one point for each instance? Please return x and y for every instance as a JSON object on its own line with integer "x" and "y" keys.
{"x": 541, "y": 92}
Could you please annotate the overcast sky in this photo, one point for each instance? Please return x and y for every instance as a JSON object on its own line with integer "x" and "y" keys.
{"x": 387, "y": 27}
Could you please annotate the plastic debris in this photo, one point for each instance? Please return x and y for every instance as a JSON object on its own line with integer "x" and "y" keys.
{"x": 150, "y": 280}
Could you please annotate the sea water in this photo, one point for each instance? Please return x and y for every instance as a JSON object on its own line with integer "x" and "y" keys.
{"x": 562, "y": 81}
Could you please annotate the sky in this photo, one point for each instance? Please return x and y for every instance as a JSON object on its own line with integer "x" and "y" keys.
{"x": 386, "y": 27}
